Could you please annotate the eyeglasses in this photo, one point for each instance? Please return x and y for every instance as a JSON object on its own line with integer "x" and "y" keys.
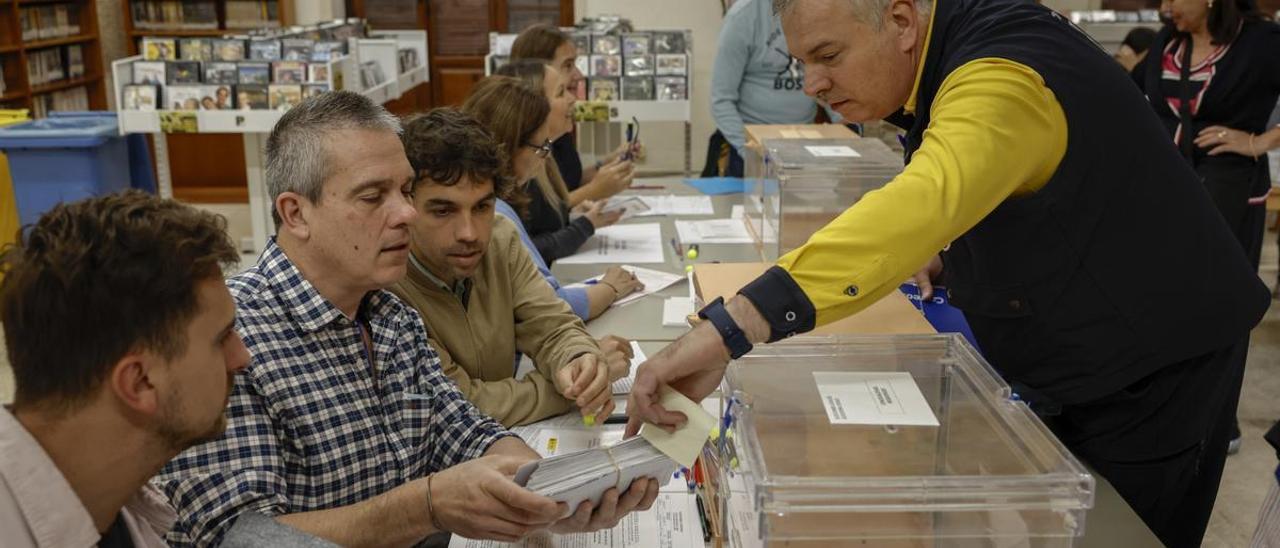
{"x": 543, "y": 150}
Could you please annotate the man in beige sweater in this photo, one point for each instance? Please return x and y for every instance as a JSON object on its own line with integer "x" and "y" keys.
{"x": 480, "y": 294}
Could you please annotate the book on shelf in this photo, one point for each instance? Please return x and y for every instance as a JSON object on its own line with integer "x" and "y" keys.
{"x": 252, "y": 14}
{"x": 175, "y": 14}
{"x": 48, "y": 22}
{"x": 76, "y": 98}
{"x": 45, "y": 66}
{"x": 75, "y": 61}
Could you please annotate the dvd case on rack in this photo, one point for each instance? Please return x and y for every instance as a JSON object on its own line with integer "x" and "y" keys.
{"x": 371, "y": 74}
{"x": 671, "y": 88}
{"x": 195, "y": 49}
{"x": 312, "y": 90}
{"x": 582, "y": 41}
{"x": 296, "y": 49}
{"x": 605, "y": 44}
{"x": 141, "y": 97}
{"x": 183, "y": 72}
{"x": 159, "y": 49}
{"x": 183, "y": 97}
{"x": 149, "y": 72}
{"x": 408, "y": 59}
{"x": 328, "y": 51}
{"x": 603, "y": 89}
{"x": 318, "y": 73}
{"x": 254, "y": 73}
{"x": 671, "y": 64}
{"x": 636, "y": 43}
{"x": 606, "y": 65}
{"x": 288, "y": 72}
{"x": 637, "y": 88}
{"x": 228, "y": 50}
{"x": 252, "y": 97}
{"x": 284, "y": 96}
{"x": 639, "y": 65}
{"x": 669, "y": 42}
{"x": 221, "y": 97}
{"x": 219, "y": 72}
{"x": 264, "y": 50}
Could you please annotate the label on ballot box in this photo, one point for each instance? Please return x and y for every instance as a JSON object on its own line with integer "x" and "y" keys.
{"x": 832, "y": 152}
{"x": 873, "y": 398}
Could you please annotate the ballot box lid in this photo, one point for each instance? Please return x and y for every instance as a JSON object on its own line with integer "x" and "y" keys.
{"x": 832, "y": 428}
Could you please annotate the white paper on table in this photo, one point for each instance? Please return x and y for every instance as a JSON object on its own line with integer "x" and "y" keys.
{"x": 676, "y": 311}
{"x": 653, "y": 280}
{"x": 735, "y": 212}
{"x": 623, "y": 385}
{"x": 891, "y": 398}
{"x": 714, "y": 231}
{"x": 633, "y": 206}
{"x": 636, "y": 243}
{"x": 672, "y": 522}
{"x": 675, "y": 205}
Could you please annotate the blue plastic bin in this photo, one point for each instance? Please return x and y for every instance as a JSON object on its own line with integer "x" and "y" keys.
{"x": 142, "y": 173}
{"x": 64, "y": 159}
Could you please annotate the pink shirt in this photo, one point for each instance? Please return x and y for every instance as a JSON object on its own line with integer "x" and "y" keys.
{"x": 39, "y": 509}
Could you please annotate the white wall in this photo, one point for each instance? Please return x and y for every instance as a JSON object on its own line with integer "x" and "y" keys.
{"x": 703, "y": 17}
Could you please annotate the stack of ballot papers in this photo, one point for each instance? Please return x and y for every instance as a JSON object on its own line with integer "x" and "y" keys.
{"x": 573, "y": 478}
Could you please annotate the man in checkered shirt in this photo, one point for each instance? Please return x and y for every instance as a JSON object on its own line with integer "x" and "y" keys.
{"x": 344, "y": 425}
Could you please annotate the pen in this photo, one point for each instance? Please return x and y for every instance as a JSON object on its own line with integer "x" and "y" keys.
{"x": 647, "y": 187}
{"x": 616, "y": 419}
{"x": 692, "y": 296}
{"x": 675, "y": 246}
{"x": 703, "y": 521}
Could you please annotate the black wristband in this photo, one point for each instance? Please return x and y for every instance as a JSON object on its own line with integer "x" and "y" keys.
{"x": 734, "y": 339}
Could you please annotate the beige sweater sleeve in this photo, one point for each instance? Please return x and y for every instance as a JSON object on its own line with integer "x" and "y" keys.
{"x": 546, "y": 328}
{"x": 509, "y": 401}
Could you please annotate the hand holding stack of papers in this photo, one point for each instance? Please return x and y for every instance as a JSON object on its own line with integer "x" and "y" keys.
{"x": 585, "y": 475}
{"x": 573, "y": 478}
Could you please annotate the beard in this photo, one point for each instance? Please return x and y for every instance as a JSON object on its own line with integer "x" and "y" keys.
{"x": 178, "y": 434}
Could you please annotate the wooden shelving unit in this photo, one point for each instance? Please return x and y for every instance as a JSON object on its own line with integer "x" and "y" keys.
{"x": 16, "y": 55}
{"x": 284, "y": 12}
{"x": 458, "y": 36}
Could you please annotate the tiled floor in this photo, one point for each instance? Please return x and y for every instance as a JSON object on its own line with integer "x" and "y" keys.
{"x": 1245, "y": 481}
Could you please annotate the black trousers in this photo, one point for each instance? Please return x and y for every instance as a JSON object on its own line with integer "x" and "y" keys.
{"x": 1162, "y": 441}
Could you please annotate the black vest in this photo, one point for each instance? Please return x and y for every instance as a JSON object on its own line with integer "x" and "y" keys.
{"x": 1119, "y": 265}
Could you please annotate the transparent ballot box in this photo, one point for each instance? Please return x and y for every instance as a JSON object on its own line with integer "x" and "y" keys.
{"x": 800, "y": 185}
{"x": 896, "y": 441}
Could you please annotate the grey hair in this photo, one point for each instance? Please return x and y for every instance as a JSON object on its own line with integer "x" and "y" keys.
{"x": 296, "y": 157}
{"x": 870, "y": 12}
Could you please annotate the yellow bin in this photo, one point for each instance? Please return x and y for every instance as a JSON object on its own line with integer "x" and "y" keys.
{"x": 8, "y": 205}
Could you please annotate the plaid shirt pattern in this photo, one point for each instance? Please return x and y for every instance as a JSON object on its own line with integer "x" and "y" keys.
{"x": 311, "y": 425}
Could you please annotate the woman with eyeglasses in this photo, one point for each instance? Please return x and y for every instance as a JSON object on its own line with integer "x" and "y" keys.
{"x": 612, "y": 173}
{"x": 519, "y": 118}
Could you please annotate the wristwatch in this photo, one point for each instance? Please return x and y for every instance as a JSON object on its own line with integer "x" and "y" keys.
{"x": 734, "y": 339}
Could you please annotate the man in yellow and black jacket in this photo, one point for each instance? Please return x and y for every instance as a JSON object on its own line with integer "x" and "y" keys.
{"x": 1089, "y": 261}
